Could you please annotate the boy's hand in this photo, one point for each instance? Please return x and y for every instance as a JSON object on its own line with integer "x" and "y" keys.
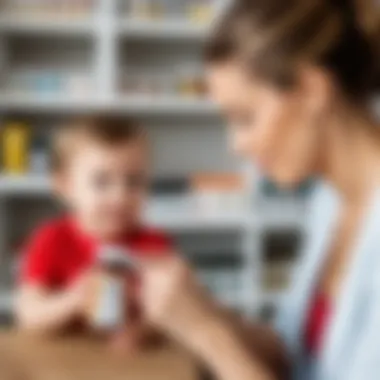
{"x": 84, "y": 292}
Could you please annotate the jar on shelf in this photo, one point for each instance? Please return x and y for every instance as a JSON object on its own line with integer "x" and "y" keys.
{"x": 15, "y": 147}
{"x": 200, "y": 11}
{"x": 191, "y": 82}
{"x": 146, "y": 9}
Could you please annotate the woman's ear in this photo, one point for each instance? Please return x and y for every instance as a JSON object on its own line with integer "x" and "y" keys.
{"x": 316, "y": 88}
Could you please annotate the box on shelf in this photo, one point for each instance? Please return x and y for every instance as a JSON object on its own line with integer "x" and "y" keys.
{"x": 200, "y": 11}
{"x": 42, "y": 83}
{"x": 37, "y": 8}
{"x": 187, "y": 82}
{"x": 197, "y": 11}
{"x": 215, "y": 192}
{"x": 146, "y": 9}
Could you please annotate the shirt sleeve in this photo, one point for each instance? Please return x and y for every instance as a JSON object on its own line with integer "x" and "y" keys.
{"x": 156, "y": 244}
{"x": 37, "y": 261}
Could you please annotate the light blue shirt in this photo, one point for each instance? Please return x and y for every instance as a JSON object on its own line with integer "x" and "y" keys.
{"x": 351, "y": 345}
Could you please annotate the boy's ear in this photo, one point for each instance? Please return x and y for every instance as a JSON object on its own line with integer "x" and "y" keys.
{"x": 59, "y": 185}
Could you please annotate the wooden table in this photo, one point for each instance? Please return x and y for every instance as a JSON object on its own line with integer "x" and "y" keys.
{"x": 31, "y": 358}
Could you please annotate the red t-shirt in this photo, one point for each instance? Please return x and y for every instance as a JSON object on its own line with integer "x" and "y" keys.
{"x": 59, "y": 252}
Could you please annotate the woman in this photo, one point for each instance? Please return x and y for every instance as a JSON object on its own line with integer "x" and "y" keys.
{"x": 294, "y": 78}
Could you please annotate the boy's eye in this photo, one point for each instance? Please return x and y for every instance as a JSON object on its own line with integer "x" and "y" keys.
{"x": 101, "y": 181}
{"x": 135, "y": 181}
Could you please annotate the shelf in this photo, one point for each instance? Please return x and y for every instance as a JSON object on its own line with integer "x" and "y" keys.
{"x": 179, "y": 216}
{"x": 282, "y": 214}
{"x": 183, "y": 213}
{"x": 21, "y": 185}
{"x": 46, "y": 25}
{"x": 132, "y": 105}
{"x": 196, "y": 221}
{"x": 170, "y": 219}
{"x": 165, "y": 29}
{"x": 166, "y": 105}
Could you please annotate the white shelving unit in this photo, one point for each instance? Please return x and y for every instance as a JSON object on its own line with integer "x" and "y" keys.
{"x": 179, "y": 126}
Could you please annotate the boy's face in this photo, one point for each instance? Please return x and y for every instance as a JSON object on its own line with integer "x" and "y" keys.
{"x": 105, "y": 186}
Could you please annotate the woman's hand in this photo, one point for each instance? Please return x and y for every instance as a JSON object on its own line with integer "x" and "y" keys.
{"x": 173, "y": 301}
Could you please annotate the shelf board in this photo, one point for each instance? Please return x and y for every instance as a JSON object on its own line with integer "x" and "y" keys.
{"x": 172, "y": 219}
{"x": 20, "y": 185}
{"x": 131, "y": 105}
{"x": 196, "y": 221}
{"x": 11, "y": 24}
{"x": 181, "y": 216}
{"x": 282, "y": 214}
{"x": 166, "y": 105}
{"x": 162, "y": 29}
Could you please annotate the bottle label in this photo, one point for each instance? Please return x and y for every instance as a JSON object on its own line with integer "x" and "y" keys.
{"x": 110, "y": 308}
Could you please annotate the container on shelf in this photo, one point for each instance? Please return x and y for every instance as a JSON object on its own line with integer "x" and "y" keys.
{"x": 146, "y": 9}
{"x": 200, "y": 11}
{"x": 48, "y": 82}
{"x": 15, "y": 147}
{"x": 218, "y": 193}
{"x": 38, "y": 8}
{"x": 191, "y": 82}
{"x": 154, "y": 83}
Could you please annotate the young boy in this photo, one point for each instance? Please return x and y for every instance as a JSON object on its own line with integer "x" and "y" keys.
{"x": 100, "y": 172}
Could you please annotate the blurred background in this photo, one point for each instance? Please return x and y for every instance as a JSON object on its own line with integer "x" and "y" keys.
{"x": 141, "y": 58}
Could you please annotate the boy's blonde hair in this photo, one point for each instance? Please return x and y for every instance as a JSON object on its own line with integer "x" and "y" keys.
{"x": 103, "y": 129}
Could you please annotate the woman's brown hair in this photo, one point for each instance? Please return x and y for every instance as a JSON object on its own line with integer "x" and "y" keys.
{"x": 272, "y": 36}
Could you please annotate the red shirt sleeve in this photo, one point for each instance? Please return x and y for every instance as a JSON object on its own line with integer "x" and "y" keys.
{"x": 156, "y": 244}
{"x": 37, "y": 265}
